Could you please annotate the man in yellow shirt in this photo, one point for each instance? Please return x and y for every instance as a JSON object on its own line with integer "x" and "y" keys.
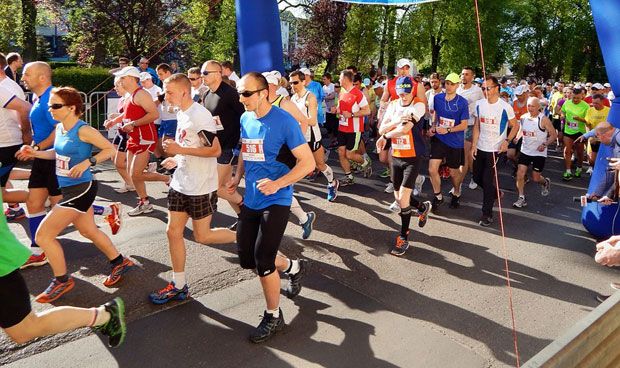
{"x": 595, "y": 115}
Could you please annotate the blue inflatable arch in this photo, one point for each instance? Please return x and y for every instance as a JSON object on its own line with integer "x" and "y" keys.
{"x": 260, "y": 49}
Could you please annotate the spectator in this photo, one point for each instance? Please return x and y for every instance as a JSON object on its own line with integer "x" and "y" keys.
{"x": 14, "y": 61}
{"x": 229, "y": 72}
{"x": 122, "y": 63}
{"x": 607, "y": 191}
{"x": 143, "y": 66}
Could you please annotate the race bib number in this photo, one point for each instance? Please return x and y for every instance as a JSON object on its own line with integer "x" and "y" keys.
{"x": 528, "y": 134}
{"x": 401, "y": 143}
{"x": 343, "y": 121}
{"x": 218, "y": 123}
{"x": 489, "y": 121}
{"x": 573, "y": 125}
{"x": 252, "y": 150}
{"x": 62, "y": 165}
{"x": 446, "y": 123}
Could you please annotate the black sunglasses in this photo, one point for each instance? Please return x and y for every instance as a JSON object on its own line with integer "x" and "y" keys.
{"x": 250, "y": 93}
{"x": 207, "y": 72}
{"x": 295, "y": 82}
{"x": 489, "y": 88}
{"x": 56, "y": 106}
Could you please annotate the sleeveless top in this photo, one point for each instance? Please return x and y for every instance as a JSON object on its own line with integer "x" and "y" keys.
{"x": 404, "y": 146}
{"x": 70, "y": 151}
{"x": 533, "y": 135}
{"x": 278, "y": 101}
{"x": 312, "y": 133}
{"x": 133, "y": 112}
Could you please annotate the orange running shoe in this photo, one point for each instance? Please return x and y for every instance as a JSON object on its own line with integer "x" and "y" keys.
{"x": 117, "y": 272}
{"x": 34, "y": 261}
{"x": 55, "y": 290}
{"x": 115, "y": 219}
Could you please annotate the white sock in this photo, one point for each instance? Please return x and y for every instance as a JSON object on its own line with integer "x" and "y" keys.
{"x": 366, "y": 157}
{"x": 569, "y": 171}
{"x": 298, "y": 212}
{"x": 102, "y": 316}
{"x": 329, "y": 174}
{"x": 179, "y": 279}
{"x": 294, "y": 267}
{"x": 37, "y": 251}
{"x": 275, "y": 313}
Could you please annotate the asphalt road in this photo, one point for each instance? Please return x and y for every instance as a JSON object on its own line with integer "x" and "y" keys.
{"x": 447, "y": 295}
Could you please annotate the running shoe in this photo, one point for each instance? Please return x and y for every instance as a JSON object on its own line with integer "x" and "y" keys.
{"x": 307, "y": 226}
{"x": 567, "y": 176}
{"x": 35, "y": 261}
{"x": 118, "y": 271}
{"x": 294, "y": 281}
{"x": 347, "y": 181}
{"x": 151, "y": 167}
{"x": 385, "y": 173}
{"x": 141, "y": 208}
{"x": 472, "y": 184}
{"x": 115, "y": 329}
{"x": 233, "y": 227}
{"x": 55, "y": 290}
{"x": 444, "y": 171}
{"x": 436, "y": 203}
{"x": 115, "y": 219}
{"x": 485, "y": 221}
{"x": 15, "y": 214}
{"x": 578, "y": 172}
{"x": 125, "y": 189}
{"x": 455, "y": 201}
{"x": 423, "y": 216}
{"x": 389, "y": 188}
{"x": 400, "y": 247}
{"x": 520, "y": 203}
{"x": 395, "y": 207}
{"x": 332, "y": 190}
{"x": 367, "y": 168}
{"x": 268, "y": 326}
{"x": 355, "y": 167}
{"x": 545, "y": 187}
{"x": 170, "y": 292}
{"x": 589, "y": 171}
{"x": 601, "y": 297}
{"x": 419, "y": 182}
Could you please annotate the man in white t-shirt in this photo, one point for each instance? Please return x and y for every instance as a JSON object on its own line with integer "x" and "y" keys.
{"x": 228, "y": 70}
{"x": 472, "y": 93}
{"x": 193, "y": 189}
{"x": 493, "y": 117}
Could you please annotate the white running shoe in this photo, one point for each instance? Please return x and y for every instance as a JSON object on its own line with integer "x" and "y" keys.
{"x": 589, "y": 171}
{"x": 395, "y": 207}
{"x": 417, "y": 188}
{"x": 472, "y": 184}
{"x": 125, "y": 189}
{"x": 141, "y": 209}
{"x": 389, "y": 188}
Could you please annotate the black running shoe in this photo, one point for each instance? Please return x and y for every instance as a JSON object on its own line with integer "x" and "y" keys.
{"x": 485, "y": 221}
{"x": 455, "y": 201}
{"x": 436, "y": 203}
{"x": 423, "y": 215}
{"x": 115, "y": 329}
{"x": 294, "y": 281}
{"x": 267, "y": 327}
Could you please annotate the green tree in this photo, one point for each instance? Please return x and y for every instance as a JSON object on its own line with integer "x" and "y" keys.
{"x": 29, "y": 30}
{"x": 10, "y": 25}
{"x": 362, "y": 37}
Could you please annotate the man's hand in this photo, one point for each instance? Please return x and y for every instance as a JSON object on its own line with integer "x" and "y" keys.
{"x": 25, "y": 153}
{"x": 128, "y": 127}
{"x": 267, "y": 186}
{"x": 169, "y": 163}
{"x": 607, "y": 254}
{"x": 346, "y": 114}
{"x": 441, "y": 131}
{"x": 541, "y": 148}
{"x": 474, "y": 152}
{"x": 232, "y": 185}
{"x": 171, "y": 147}
{"x": 605, "y": 200}
{"x": 503, "y": 147}
{"x": 381, "y": 142}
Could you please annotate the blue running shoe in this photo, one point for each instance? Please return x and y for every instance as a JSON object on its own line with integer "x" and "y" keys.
{"x": 307, "y": 226}
{"x": 332, "y": 190}
{"x": 169, "y": 293}
{"x": 14, "y": 214}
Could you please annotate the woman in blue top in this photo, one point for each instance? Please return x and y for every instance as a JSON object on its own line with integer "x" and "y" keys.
{"x": 72, "y": 151}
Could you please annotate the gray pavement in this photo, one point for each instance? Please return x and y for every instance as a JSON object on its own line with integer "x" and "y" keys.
{"x": 444, "y": 304}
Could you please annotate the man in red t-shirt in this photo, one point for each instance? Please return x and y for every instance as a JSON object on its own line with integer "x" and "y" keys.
{"x": 352, "y": 107}
{"x": 597, "y": 88}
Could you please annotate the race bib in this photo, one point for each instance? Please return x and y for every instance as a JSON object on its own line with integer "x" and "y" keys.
{"x": 528, "y": 134}
{"x": 573, "y": 125}
{"x": 343, "y": 121}
{"x": 446, "y": 123}
{"x": 401, "y": 143}
{"x": 218, "y": 123}
{"x": 62, "y": 165}
{"x": 252, "y": 150}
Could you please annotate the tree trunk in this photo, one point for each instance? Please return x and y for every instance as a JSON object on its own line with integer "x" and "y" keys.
{"x": 29, "y": 35}
{"x": 383, "y": 42}
{"x": 391, "y": 40}
{"x": 435, "y": 48}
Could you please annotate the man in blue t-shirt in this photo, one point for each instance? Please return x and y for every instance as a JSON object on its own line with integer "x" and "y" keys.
{"x": 317, "y": 90}
{"x": 274, "y": 155}
{"x": 447, "y": 139}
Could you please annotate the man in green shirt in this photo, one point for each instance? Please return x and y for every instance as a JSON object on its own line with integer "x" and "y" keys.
{"x": 18, "y": 320}
{"x": 574, "y": 114}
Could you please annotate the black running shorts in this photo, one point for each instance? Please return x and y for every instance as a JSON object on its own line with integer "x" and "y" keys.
{"x": 43, "y": 175}
{"x": 79, "y": 197}
{"x": 404, "y": 172}
{"x": 455, "y": 157}
{"x": 15, "y": 305}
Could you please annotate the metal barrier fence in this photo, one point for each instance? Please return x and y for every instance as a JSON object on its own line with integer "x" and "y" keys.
{"x": 97, "y": 106}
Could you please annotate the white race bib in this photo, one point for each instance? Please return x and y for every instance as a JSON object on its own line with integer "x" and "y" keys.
{"x": 62, "y": 165}
{"x": 401, "y": 143}
{"x": 446, "y": 122}
{"x": 252, "y": 150}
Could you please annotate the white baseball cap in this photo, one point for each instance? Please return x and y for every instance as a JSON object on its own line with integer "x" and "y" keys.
{"x": 402, "y": 62}
{"x": 128, "y": 71}
{"x": 144, "y": 76}
{"x": 271, "y": 78}
{"x": 521, "y": 89}
{"x": 306, "y": 71}
{"x": 277, "y": 74}
{"x": 607, "y": 85}
{"x": 597, "y": 86}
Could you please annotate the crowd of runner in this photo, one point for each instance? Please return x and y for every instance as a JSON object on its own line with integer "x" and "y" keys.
{"x": 206, "y": 132}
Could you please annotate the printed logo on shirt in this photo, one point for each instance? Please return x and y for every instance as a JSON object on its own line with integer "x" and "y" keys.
{"x": 252, "y": 150}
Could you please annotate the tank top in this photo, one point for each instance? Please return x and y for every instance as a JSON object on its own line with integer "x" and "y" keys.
{"x": 533, "y": 135}
{"x": 70, "y": 151}
{"x": 142, "y": 133}
{"x": 312, "y": 133}
{"x": 277, "y": 101}
{"x": 404, "y": 146}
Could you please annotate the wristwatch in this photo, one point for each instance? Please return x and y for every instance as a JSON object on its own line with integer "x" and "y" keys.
{"x": 449, "y": 130}
{"x": 36, "y": 147}
{"x": 93, "y": 161}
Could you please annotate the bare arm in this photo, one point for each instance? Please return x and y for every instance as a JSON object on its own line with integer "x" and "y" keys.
{"x": 173, "y": 148}
{"x": 91, "y": 135}
{"x": 514, "y": 129}
{"x": 23, "y": 110}
{"x": 292, "y": 109}
{"x": 399, "y": 130}
{"x": 551, "y": 133}
{"x": 313, "y": 109}
{"x": 49, "y": 141}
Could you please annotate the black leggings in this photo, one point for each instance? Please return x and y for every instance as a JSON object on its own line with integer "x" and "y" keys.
{"x": 259, "y": 233}
{"x": 484, "y": 176}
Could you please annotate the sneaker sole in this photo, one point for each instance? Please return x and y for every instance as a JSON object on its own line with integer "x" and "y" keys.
{"x": 121, "y": 317}
{"x": 164, "y": 301}
{"x": 34, "y": 264}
